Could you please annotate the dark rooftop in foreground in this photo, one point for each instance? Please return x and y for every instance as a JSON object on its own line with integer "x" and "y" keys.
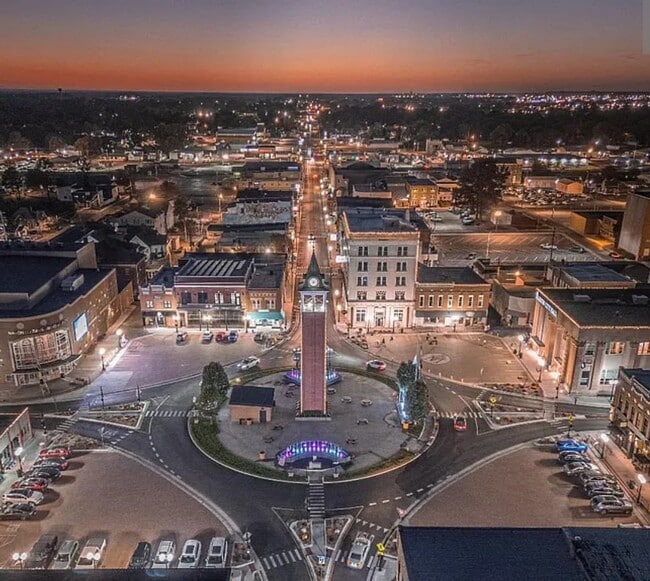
{"x": 642, "y": 376}
{"x": 267, "y": 276}
{"x": 215, "y": 265}
{"x": 448, "y": 275}
{"x": 531, "y": 554}
{"x": 26, "y": 274}
{"x": 252, "y": 395}
{"x": 592, "y": 272}
{"x": 380, "y": 220}
{"x": 629, "y": 307}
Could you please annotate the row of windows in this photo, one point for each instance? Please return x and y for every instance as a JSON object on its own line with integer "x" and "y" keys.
{"x": 220, "y": 298}
{"x": 383, "y": 251}
{"x": 382, "y": 266}
{"x": 438, "y": 301}
{"x": 258, "y": 304}
{"x": 637, "y": 417}
{"x": 381, "y": 281}
{"x": 381, "y": 296}
{"x": 617, "y": 348}
{"x": 40, "y": 350}
{"x": 361, "y": 316}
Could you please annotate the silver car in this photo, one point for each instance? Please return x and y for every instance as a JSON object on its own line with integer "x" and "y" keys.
{"x": 575, "y": 468}
{"x": 66, "y": 555}
{"x": 613, "y": 506}
{"x": 594, "y": 491}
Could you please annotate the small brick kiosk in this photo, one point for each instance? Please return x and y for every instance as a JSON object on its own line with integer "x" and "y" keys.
{"x": 250, "y": 404}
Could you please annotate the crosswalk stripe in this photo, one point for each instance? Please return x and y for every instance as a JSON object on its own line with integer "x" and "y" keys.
{"x": 298, "y": 554}
{"x": 370, "y": 561}
{"x": 265, "y": 562}
{"x": 272, "y": 560}
{"x": 293, "y": 559}
{"x": 286, "y": 558}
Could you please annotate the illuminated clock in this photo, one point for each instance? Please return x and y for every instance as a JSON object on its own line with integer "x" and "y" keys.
{"x": 313, "y": 281}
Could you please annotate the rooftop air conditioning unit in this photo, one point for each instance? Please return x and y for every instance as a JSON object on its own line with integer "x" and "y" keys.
{"x": 72, "y": 283}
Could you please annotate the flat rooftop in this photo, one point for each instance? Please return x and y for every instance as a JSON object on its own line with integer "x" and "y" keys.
{"x": 215, "y": 266}
{"x": 448, "y": 275}
{"x": 376, "y": 220}
{"x": 629, "y": 307}
{"x": 594, "y": 273}
{"x": 268, "y": 276}
{"x": 642, "y": 376}
{"x": 26, "y": 274}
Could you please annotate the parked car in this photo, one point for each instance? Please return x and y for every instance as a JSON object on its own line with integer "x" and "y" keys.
{"x": 565, "y": 457}
{"x": 141, "y": 556}
{"x": 190, "y": 555}
{"x": 248, "y": 363}
{"x": 49, "y": 472}
{"x": 58, "y": 452}
{"x": 164, "y": 554}
{"x": 181, "y": 337}
{"x": 66, "y": 555}
{"x": 435, "y": 218}
{"x": 233, "y": 336}
{"x": 359, "y": 551}
{"x": 60, "y": 463}
{"x": 259, "y": 337}
{"x": 548, "y": 246}
{"x": 578, "y": 249}
{"x": 575, "y": 468}
{"x": 17, "y": 511}
{"x": 612, "y": 506}
{"x": 376, "y": 365}
{"x": 471, "y": 256}
{"x": 595, "y": 481}
{"x": 207, "y": 336}
{"x": 468, "y": 221}
{"x": 217, "y": 553}
{"x": 597, "y": 474}
{"x": 92, "y": 553}
{"x": 39, "y": 484}
{"x": 570, "y": 445}
{"x": 221, "y": 337}
{"x": 41, "y": 554}
{"x": 595, "y": 491}
{"x": 460, "y": 424}
{"x": 23, "y": 496}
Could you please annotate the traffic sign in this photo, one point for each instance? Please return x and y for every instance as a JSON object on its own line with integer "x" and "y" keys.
{"x": 381, "y": 549}
{"x": 493, "y": 399}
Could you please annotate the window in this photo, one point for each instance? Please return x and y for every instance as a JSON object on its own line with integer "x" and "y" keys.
{"x": 401, "y": 266}
{"x": 421, "y": 301}
{"x": 470, "y": 301}
{"x": 362, "y": 251}
{"x": 480, "y": 301}
{"x": 460, "y": 301}
{"x": 584, "y": 377}
{"x": 402, "y": 251}
{"x": 644, "y": 348}
{"x": 450, "y": 301}
{"x": 360, "y": 316}
{"x": 382, "y": 266}
{"x": 235, "y": 298}
{"x": 202, "y": 298}
{"x": 362, "y": 281}
{"x": 439, "y": 301}
{"x": 362, "y": 295}
{"x": 218, "y": 298}
{"x": 381, "y": 295}
{"x": 400, "y": 281}
{"x": 186, "y": 298}
{"x": 362, "y": 266}
{"x": 382, "y": 251}
{"x": 167, "y": 304}
{"x": 270, "y": 304}
{"x": 149, "y": 304}
{"x": 256, "y": 304}
{"x": 381, "y": 281}
{"x": 607, "y": 376}
{"x": 399, "y": 295}
{"x": 431, "y": 297}
{"x": 590, "y": 349}
{"x": 615, "y": 348}
{"x": 398, "y": 315}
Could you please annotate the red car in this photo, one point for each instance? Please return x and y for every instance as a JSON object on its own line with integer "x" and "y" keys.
{"x": 39, "y": 484}
{"x": 460, "y": 424}
{"x": 221, "y": 337}
{"x": 615, "y": 255}
{"x": 55, "y": 453}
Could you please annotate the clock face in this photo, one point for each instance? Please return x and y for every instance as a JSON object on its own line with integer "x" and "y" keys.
{"x": 313, "y": 281}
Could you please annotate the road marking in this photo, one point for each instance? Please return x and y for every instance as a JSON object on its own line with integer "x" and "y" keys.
{"x": 371, "y": 561}
{"x": 431, "y": 485}
{"x": 286, "y": 559}
{"x": 265, "y": 563}
{"x": 409, "y": 494}
{"x": 272, "y": 561}
{"x": 385, "y": 501}
{"x": 293, "y": 559}
{"x": 398, "y": 498}
{"x": 298, "y": 554}
{"x": 420, "y": 490}
{"x": 372, "y": 504}
{"x": 338, "y": 554}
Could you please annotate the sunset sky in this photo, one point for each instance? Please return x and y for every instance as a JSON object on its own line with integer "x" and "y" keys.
{"x": 328, "y": 46}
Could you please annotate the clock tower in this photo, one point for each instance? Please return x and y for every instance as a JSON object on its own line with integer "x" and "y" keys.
{"x": 313, "y": 312}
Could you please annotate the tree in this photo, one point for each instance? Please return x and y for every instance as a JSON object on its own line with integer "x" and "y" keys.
{"x": 501, "y": 135}
{"x": 481, "y": 185}
{"x": 11, "y": 178}
{"x": 55, "y": 143}
{"x": 214, "y": 385}
{"x": 87, "y": 145}
{"x": 417, "y": 394}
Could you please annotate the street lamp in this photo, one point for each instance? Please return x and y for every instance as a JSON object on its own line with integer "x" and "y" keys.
{"x": 613, "y": 383}
{"x": 542, "y": 365}
{"x": 497, "y": 215}
{"x": 604, "y": 438}
{"x": 220, "y": 198}
{"x": 206, "y": 320}
{"x": 175, "y": 319}
{"x": 18, "y": 452}
{"x": 338, "y": 311}
{"x": 642, "y": 480}
{"x": 521, "y": 342}
{"x": 102, "y": 352}
{"x": 21, "y": 558}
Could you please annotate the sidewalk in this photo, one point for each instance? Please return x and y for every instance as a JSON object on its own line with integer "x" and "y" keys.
{"x": 30, "y": 454}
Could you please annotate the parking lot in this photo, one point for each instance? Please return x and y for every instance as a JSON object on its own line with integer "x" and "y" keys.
{"x": 108, "y": 495}
{"x": 538, "y": 494}
{"x": 505, "y": 247}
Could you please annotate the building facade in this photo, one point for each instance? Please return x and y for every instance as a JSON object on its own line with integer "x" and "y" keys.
{"x": 635, "y": 230}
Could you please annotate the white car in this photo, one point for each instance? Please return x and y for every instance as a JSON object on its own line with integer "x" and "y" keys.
{"x": 548, "y": 246}
{"x": 359, "y": 551}
{"x": 206, "y": 337}
{"x": 164, "y": 554}
{"x": 217, "y": 553}
{"x": 92, "y": 553}
{"x": 23, "y": 496}
{"x": 190, "y": 555}
{"x": 248, "y": 363}
{"x": 66, "y": 555}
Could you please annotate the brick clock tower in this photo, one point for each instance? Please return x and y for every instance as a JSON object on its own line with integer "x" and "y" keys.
{"x": 313, "y": 312}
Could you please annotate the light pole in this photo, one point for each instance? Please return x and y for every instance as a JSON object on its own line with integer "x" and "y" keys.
{"x": 339, "y": 308}
{"x": 206, "y": 320}
{"x": 604, "y": 438}
{"x": 21, "y": 558}
{"x": 521, "y": 342}
{"x": 94, "y": 557}
{"x": 102, "y": 352}
{"x": 642, "y": 480}
{"x": 542, "y": 365}
{"x": 613, "y": 383}
{"x": 497, "y": 215}
{"x": 175, "y": 319}
{"x": 220, "y": 198}
{"x": 18, "y": 452}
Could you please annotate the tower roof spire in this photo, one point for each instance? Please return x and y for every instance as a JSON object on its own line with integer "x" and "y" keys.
{"x": 314, "y": 278}
{"x": 313, "y": 269}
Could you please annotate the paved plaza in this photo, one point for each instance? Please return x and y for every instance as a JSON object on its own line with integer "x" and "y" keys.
{"x": 378, "y": 439}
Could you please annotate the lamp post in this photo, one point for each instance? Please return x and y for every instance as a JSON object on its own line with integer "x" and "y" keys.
{"x": 521, "y": 342}
{"x": 175, "y": 319}
{"x": 604, "y": 438}
{"x": 339, "y": 308}
{"x": 542, "y": 365}
{"x": 613, "y": 383}
{"x": 497, "y": 215}
{"x": 642, "y": 480}
{"x": 21, "y": 558}
{"x": 18, "y": 453}
{"x": 102, "y": 352}
{"x": 220, "y": 198}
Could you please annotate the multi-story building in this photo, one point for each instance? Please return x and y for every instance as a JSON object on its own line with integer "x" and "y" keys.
{"x": 380, "y": 252}
{"x": 450, "y": 297}
{"x": 54, "y": 306}
{"x": 635, "y": 230}
{"x": 585, "y": 335}
{"x": 421, "y": 192}
{"x": 630, "y": 414}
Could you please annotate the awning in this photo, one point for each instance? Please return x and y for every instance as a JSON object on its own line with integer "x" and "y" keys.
{"x": 261, "y": 316}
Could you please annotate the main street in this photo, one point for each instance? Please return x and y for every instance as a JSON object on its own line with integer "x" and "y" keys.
{"x": 262, "y": 506}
